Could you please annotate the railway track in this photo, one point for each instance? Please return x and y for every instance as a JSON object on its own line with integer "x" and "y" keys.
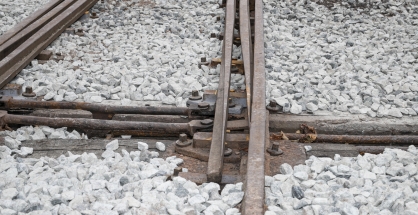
{"x": 218, "y": 127}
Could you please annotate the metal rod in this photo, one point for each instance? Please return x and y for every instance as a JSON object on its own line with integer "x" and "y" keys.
{"x": 376, "y": 149}
{"x": 361, "y": 139}
{"x": 97, "y": 124}
{"x": 94, "y": 108}
{"x": 215, "y": 164}
{"x": 253, "y": 202}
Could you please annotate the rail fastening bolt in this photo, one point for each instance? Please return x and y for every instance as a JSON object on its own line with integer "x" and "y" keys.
{"x": 203, "y": 105}
{"x": 29, "y": 92}
{"x": 206, "y": 122}
{"x": 94, "y": 15}
{"x": 273, "y": 103}
{"x": 195, "y": 95}
{"x": 183, "y": 137}
{"x": 275, "y": 150}
{"x": 227, "y": 152}
{"x": 230, "y": 103}
{"x": 213, "y": 35}
{"x": 177, "y": 170}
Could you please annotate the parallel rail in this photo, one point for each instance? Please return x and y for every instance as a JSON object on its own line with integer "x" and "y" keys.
{"x": 253, "y": 202}
{"x": 20, "y": 56}
{"x": 215, "y": 165}
{"x": 253, "y": 56}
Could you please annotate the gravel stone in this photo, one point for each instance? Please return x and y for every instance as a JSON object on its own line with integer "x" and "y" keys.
{"x": 374, "y": 184}
{"x": 286, "y": 169}
{"x": 142, "y": 146}
{"x": 113, "y": 145}
{"x": 306, "y": 67}
{"x": 297, "y": 192}
{"x": 160, "y": 146}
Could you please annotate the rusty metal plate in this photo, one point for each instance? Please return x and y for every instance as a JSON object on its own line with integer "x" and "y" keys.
{"x": 293, "y": 154}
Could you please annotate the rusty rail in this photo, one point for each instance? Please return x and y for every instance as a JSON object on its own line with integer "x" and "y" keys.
{"x": 253, "y": 202}
{"x": 361, "y": 139}
{"x": 99, "y": 110}
{"x": 14, "y": 62}
{"x": 7, "y": 47}
{"x": 148, "y": 128}
{"x": 215, "y": 164}
{"x": 29, "y": 20}
{"x": 247, "y": 49}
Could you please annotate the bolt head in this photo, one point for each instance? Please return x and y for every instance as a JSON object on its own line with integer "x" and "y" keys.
{"x": 183, "y": 137}
{"x": 203, "y": 105}
{"x": 206, "y": 122}
{"x": 275, "y": 146}
{"x": 28, "y": 90}
{"x": 228, "y": 152}
{"x": 230, "y": 103}
{"x": 195, "y": 95}
{"x": 273, "y": 103}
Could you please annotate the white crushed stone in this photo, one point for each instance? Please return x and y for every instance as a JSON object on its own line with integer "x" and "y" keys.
{"x": 371, "y": 184}
{"x": 134, "y": 53}
{"x": 127, "y": 183}
{"x": 344, "y": 59}
{"x": 38, "y": 133}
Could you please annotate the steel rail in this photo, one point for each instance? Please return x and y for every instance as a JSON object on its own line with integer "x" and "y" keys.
{"x": 106, "y": 110}
{"x": 360, "y": 139}
{"x": 27, "y": 32}
{"x": 150, "y": 128}
{"x": 247, "y": 49}
{"x": 253, "y": 202}
{"x": 29, "y": 20}
{"x": 215, "y": 164}
{"x": 13, "y": 63}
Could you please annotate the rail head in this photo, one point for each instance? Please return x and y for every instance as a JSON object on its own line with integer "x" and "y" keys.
{"x": 253, "y": 202}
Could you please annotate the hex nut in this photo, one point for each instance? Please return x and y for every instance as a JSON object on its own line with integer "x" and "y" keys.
{"x": 183, "y": 141}
{"x": 275, "y": 150}
{"x": 227, "y": 152}
{"x": 206, "y": 122}
{"x": 203, "y": 105}
{"x": 29, "y": 92}
{"x": 195, "y": 95}
{"x": 94, "y": 15}
{"x": 272, "y": 106}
